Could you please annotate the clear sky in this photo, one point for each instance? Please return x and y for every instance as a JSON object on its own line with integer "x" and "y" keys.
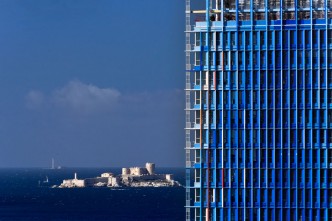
{"x": 91, "y": 82}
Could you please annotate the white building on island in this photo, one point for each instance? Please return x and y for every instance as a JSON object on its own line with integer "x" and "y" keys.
{"x": 131, "y": 177}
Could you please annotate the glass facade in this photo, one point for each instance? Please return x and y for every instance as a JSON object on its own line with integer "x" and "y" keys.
{"x": 259, "y": 110}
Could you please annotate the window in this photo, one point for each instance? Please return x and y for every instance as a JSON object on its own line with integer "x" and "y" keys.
{"x": 278, "y": 79}
{"x": 278, "y": 100}
{"x": 233, "y": 98}
{"x": 270, "y": 156}
{"x": 314, "y": 96}
{"x": 262, "y": 78}
{"x": 254, "y": 38}
{"x": 300, "y": 159}
{"x": 262, "y": 157}
{"x": 322, "y": 137}
{"x": 322, "y": 116}
{"x": 240, "y": 57}
{"x": 197, "y": 58}
{"x": 307, "y": 37}
{"x": 219, "y": 79}
{"x": 233, "y": 58}
{"x": 248, "y": 99}
{"x": 307, "y": 78}
{"x": 197, "y": 116}
{"x": 270, "y": 38}
{"x": 241, "y": 103}
{"x": 285, "y": 39}
{"x": 203, "y": 38}
{"x": 211, "y": 58}
{"x": 300, "y": 79}
{"x": 270, "y": 118}
{"x": 300, "y": 58}
{"x": 247, "y": 38}
{"x": 197, "y": 192}
{"x": 263, "y": 58}
{"x": 240, "y": 137}
{"x": 232, "y": 38}
{"x": 270, "y": 57}
{"x": 299, "y": 38}
{"x": 248, "y": 137}
{"x": 197, "y": 78}
{"x": 292, "y": 38}
{"x": 278, "y": 58}
{"x": 300, "y": 141}
{"x": 255, "y": 60}
{"x": 262, "y": 99}
{"x": 226, "y": 83}
{"x": 292, "y": 98}
{"x": 285, "y": 57}
{"x": 292, "y": 116}
{"x": 248, "y": 58}
{"x": 256, "y": 79}
{"x": 285, "y": 80}
{"x": 255, "y": 119}
{"x": 322, "y": 59}
{"x": 315, "y": 56}
{"x": 307, "y": 116}
{"x": 329, "y": 57}
{"x": 299, "y": 117}
{"x": 197, "y": 136}
{"x": 218, "y": 38}
{"x": 204, "y": 97}
{"x": 270, "y": 137}
{"x": 233, "y": 155}
{"x": 277, "y": 38}
{"x": 197, "y": 97}
{"x": 277, "y": 134}
{"x": 329, "y": 76}
{"x": 270, "y": 80}
{"x": 262, "y": 137}
{"x": 285, "y": 137}
{"x": 203, "y": 58}
{"x": 197, "y": 39}
{"x": 248, "y": 79}
{"x": 226, "y": 41}
{"x": 218, "y": 60}
{"x": 322, "y": 78}
{"x": 329, "y": 36}
{"x": 240, "y": 39}
{"x": 293, "y": 57}
{"x": 314, "y": 37}
{"x": 226, "y": 58}
{"x": 225, "y": 160}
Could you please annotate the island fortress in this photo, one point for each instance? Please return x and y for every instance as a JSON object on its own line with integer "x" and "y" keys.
{"x": 130, "y": 177}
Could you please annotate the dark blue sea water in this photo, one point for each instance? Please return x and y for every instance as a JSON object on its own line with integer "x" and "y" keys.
{"x": 22, "y": 199}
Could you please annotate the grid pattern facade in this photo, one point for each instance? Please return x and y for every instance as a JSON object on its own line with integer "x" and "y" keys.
{"x": 259, "y": 111}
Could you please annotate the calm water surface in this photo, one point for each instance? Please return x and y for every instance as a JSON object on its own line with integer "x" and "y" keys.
{"x": 23, "y": 199}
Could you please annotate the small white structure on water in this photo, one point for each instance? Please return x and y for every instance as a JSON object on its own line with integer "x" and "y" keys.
{"x": 73, "y": 182}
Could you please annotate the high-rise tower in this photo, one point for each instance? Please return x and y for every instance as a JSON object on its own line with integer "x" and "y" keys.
{"x": 259, "y": 110}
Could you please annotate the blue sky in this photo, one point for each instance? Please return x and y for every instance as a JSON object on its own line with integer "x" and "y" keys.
{"x": 91, "y": 82}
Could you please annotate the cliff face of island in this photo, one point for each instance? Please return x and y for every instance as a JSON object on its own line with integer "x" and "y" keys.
{"x": 130, "y": 177}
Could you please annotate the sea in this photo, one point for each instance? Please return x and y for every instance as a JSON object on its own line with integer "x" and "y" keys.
{"x": 25, "y": 196}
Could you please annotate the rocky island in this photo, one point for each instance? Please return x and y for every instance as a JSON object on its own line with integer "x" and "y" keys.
{"x": 130, "y": 177}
